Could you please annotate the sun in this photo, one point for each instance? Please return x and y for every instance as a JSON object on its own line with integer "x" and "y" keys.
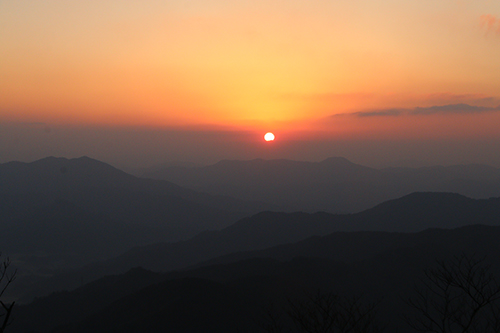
{"x": 269, "y": 136}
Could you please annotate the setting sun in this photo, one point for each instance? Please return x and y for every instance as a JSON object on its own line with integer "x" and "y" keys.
{"x": 269, "y": 136}
{"x": 159, "y": 81}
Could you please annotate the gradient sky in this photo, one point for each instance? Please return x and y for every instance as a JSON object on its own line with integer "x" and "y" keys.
{"x": 143, "y": 82}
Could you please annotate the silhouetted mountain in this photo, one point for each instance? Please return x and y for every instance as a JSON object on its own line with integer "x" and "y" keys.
{"x": 55, "y": 176}
{"x": 419, "y": 211}
{"x": 235, "y": 296}
{"x": 333, "y": 185}
{"x": 72, "y": 211}
{"x": 260, "y": 231}
{"x": 65, "y": 307}
{"x": 62, "y": 213}
{"x": 415, "y": 212}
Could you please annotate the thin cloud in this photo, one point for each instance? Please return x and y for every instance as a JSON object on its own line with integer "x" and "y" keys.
{"x": 453, "y": 109}
{"x": 381, "y": 113}
{"x": 432, "y": 110}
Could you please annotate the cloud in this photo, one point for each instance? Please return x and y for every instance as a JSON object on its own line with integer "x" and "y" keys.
{"x": 378, "y": 113}
{"x": 432, "y": 110}
{"x": 453, "y": 109}
{"x": 491, "y": 23}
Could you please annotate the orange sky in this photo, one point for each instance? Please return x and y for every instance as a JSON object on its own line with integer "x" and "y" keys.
{"x": 289, "y": 66}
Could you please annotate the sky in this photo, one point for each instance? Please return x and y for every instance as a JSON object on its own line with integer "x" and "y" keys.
{"x": 138, "y": 83}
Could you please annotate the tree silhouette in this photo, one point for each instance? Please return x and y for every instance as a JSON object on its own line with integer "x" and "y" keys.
{"x": 458, "y": 296}
{"x": 325, "y": 313}
{"x": 6, "y": 278}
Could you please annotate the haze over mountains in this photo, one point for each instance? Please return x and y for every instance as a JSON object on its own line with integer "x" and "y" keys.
{"x": 77, "y": 210}
{"x": 235, "y": 296}
{"x": 415, "y": 212}
{"x": 218, "y": 245}
{"x": 334, "y": 185}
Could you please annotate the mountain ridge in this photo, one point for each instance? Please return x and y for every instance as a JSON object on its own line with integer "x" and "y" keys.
{"x": 249, "y": 285}
{"x": 335, "y": 184}
{"x": 48, "y": 205}
{"x": 269, "y": 229}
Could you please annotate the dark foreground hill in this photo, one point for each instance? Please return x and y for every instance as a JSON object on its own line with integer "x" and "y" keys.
{"x": 235, "y": 297}
{"x": 334, "y": 185}
{"x": 415, "y": 212}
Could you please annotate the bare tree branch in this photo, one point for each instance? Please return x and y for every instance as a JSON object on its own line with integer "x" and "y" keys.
{"x": 6, "y": 278}
{"x": 458, "y": 296}
{"x": 327, "y": 313}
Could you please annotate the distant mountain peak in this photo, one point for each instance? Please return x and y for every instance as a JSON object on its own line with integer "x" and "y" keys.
{"x": 435, "y": 197}
{"x": 49, "y": 160}
{"x": 55, "y": 159}
{"x": 86, "y": 158}
{"x": 418, "y": 201}
{"x": 337, "y": 160}
{"x": 57, "y": 173}
{"x": 83, "y": 161}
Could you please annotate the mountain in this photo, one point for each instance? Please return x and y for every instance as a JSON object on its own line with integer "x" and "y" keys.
{"x": 421, "y": 210}
{"x": 412, "y": 213}
{"x": 260, "y": 231}
{"x": 65, "y": 307}
{"x": 228, "y": 297}
{"x": 57, "y": 176}
{"x": 333, "y": 185}
{"x": 59, "y": 212}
